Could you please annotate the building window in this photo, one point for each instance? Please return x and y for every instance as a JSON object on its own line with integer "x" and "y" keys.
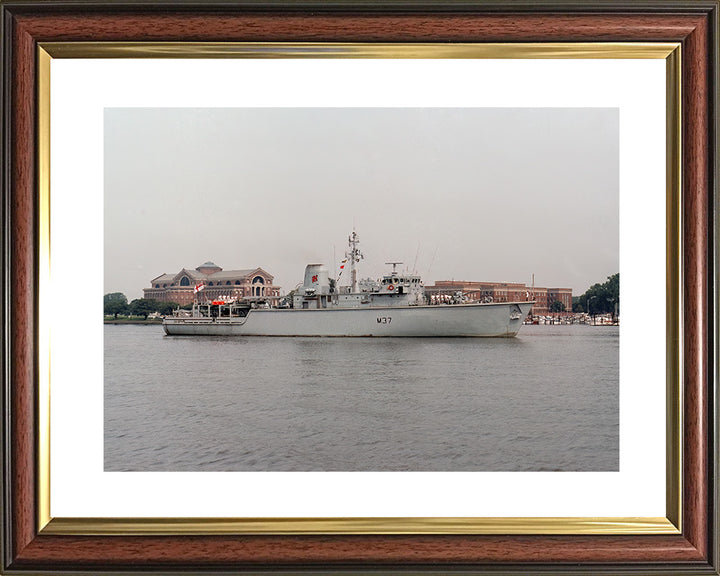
{"x": 227, "y": 283}
{"x": 184, "y": 281}
{"x": 237, "y": 282}
{"x": 157, "y": 285}
{"x": 258, "y": 280}
{"x": 210, "y": 284}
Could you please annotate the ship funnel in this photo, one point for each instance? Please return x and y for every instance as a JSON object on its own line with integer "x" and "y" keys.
{"x": 316, "y": 278}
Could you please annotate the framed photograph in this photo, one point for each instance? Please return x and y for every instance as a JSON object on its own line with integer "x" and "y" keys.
{"x": 359, "y": 265}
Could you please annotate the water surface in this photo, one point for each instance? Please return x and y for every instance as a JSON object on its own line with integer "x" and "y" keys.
{"x": 546, "y": 400}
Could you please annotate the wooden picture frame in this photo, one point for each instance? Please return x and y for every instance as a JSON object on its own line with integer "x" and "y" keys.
{"x": 29, "y": 546}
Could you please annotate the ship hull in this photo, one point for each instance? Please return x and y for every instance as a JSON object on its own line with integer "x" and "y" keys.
{"x": 462, "y": 320}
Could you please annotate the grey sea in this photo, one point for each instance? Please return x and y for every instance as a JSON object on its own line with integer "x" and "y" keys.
{"x": 546, "y": 400}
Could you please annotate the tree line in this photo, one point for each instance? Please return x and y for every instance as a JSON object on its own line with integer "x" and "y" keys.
{"x": 116, "y": 304}
{"x": 600, "y": 298}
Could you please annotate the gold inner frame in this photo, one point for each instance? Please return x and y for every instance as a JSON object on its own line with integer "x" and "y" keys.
{"x": 671, "y": 524}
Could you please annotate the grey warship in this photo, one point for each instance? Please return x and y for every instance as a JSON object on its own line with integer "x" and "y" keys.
{"x": 394, "y": 306}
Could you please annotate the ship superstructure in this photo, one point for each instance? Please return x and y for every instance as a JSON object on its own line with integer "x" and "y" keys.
{"x": 395, "y": 305}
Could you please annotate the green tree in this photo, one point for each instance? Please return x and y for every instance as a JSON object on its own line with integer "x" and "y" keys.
{"x": 143, "y": 307}
{"x": 115, "y": 303}
{"x": 602, "y": 298}
{"x": 612, "y": 295}
{"x": 166, "y": 308}
{"x": 557, "y": 306}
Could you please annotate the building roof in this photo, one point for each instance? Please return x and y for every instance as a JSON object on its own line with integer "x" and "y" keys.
{"x": 220, "y": 276}
{"x": 231, "y": 274}
{"x": 237, "y": 274}
{"x": 194, "y": 274}
{"x": 163, "y": 278}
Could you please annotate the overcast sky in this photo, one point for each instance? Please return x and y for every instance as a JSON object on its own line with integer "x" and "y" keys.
{"x": 466, "y": 194}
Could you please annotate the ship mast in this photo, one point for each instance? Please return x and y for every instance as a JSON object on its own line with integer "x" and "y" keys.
{"x": 354, "y": 256}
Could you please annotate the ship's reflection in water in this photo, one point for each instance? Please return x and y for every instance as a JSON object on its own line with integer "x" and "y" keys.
{"x": 546, "y": 400}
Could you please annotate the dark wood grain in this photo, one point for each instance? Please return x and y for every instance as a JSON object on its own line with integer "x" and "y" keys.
{"x": 360, "y": 28}
{"x": 417, "y": 550}
{"x": 696, "y": 196}
{"x": 689, "y": 552}
{"x": 22, "y": 292}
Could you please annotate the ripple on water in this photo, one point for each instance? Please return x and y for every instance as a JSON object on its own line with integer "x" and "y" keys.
{"x": 546, "y": 400}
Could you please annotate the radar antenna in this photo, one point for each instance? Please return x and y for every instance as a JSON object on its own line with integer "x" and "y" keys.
{"x": 394, "y": 265}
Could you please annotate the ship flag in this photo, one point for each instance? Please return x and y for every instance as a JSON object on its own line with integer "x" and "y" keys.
{"x": 198, "y": 287}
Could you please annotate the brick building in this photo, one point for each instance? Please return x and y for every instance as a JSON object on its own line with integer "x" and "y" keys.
{"x": 219, "y": 283}
{"x": 505, "y": 292}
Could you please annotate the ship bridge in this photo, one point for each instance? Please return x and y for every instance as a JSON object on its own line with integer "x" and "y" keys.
{"x": 400, "y": 283}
